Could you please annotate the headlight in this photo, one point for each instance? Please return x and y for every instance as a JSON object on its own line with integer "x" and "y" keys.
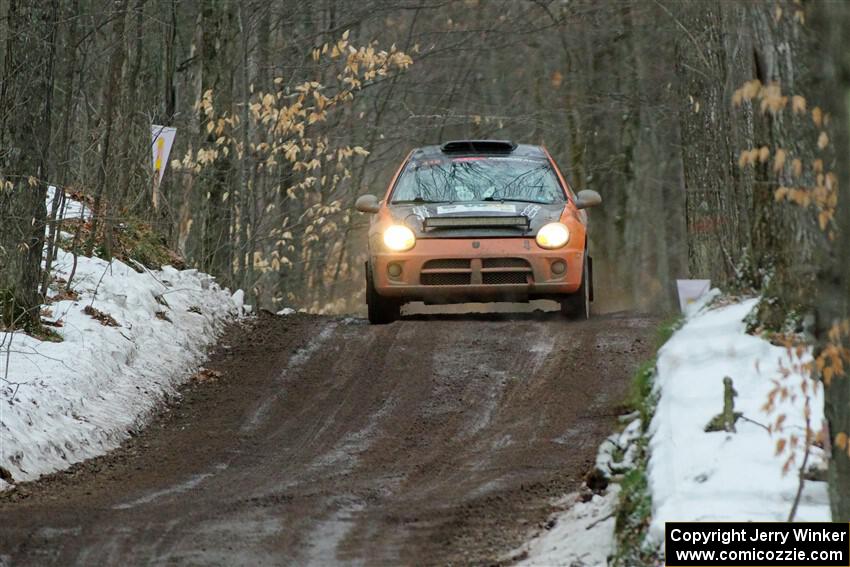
{"x": 553, "y": 235}
{"x": 399, "y": 238}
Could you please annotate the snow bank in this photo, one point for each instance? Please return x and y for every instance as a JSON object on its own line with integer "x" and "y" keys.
{"x": 583, "y": 532}
{"x": 698, "y": 476}
{"x": 65, "y": 402}
{"x": 583, "y": 536}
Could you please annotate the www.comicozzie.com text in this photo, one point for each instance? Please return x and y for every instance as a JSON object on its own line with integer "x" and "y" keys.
{"x": 756, "y": 534}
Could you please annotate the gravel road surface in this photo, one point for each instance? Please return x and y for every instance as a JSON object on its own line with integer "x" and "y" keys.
{"x": 437, "y": 440}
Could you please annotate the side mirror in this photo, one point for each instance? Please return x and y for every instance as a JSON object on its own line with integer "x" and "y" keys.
{"x": 588, "y": 198}
{"x": 367, "y": 204}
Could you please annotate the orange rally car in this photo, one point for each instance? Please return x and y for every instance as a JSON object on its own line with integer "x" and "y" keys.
{"x": 478, "y": 220}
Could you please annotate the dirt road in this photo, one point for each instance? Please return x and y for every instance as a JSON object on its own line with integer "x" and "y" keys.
{"x": 429, "y": 441}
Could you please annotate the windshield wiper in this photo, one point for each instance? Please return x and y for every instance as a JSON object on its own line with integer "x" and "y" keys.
{"x": 414, "y": 201}
{"x": 515, "y": 200}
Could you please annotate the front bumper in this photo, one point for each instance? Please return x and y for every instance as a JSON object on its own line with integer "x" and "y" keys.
{"x": 451, "y": 270}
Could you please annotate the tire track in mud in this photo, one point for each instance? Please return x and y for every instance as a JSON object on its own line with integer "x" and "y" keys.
{"x": 434, "y": 440}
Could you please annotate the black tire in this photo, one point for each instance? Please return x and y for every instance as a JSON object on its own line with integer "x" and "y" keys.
{"x": 576, "y": 306}
{"x": 381, "y": 310}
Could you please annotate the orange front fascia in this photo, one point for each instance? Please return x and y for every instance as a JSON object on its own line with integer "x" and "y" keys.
{"x": 542, "y": 281}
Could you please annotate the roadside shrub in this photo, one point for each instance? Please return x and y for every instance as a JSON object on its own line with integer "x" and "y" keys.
{"x": 634, "y": 509}
{"x": 633, "y": 515}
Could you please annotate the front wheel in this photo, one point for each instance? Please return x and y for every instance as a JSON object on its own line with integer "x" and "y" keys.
{"x": 576, "y": 306}
{"x": 381, "y": 310}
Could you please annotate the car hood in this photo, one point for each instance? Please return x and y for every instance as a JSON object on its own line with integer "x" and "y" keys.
{"x": 459, "y": 220}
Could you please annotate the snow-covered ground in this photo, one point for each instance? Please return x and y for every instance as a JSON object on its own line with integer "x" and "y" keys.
{"x": 583, "y": 535}
{"x": 699, "y": 476}
{"x": 583, "y": 532}
{"x": 694, "y": 475}
{"x": 64, "y": 402}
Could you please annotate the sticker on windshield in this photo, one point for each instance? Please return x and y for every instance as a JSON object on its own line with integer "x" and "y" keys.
{"x": 483, "y": 208}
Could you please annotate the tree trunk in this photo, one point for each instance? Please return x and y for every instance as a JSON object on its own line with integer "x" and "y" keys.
{"x": 125, "y": 153}
{"x": 710, "y": 187}
{"x": 784, "y": 236}
{"x": 216, "y": 74}
{"x": 65, "y": 144}
{"x": 25, "y": 107}
{"x": 830, "y": 21}
{"x": 111, "y": 95}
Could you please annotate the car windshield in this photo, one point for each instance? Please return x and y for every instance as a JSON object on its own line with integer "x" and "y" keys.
{"x": 466, "y": 179}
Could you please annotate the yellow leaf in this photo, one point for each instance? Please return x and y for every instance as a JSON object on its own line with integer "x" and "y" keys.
{"x": 751, "y": 89}
{"x": 557, "y": 79}
{"x": 738, "y": 97}
{"x": 817, "y": 116}
{"x": 781, "y": 193}
{"x": 798, "y": 104}
{"x": 764, "y": 154}
{"x": 817, "y": 165}
{"x": 841, "y": 440}
{"x": 801, "y": 197}
{"x": 823, "y": 140}
{"x": 787, "y": 466}
{"x": 777, "y": 14}
{"x": 779, "y": 160}
{"x": 831, "y": 181}
{"x": 772, "y": 99}
{"x": 797, "y": 167}
{"x": 780, "y": 446}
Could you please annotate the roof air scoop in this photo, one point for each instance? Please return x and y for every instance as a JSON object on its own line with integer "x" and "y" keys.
{"x": 478, "y": 146}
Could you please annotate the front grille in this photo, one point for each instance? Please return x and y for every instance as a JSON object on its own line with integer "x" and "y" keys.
{"x": 447, "y": 264}
{"x": 505, "y": 271}
{"x": 464, "y": 271}
{"x": 446, "y": 279}
{"x": 504, "y": 263}
{"x": 504, "y": 278}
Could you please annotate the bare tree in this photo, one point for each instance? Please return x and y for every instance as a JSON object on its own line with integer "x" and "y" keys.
{"x": 26, "y": 96}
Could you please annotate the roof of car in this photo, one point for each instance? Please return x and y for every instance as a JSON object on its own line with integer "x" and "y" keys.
{"x": 479, "y": 148}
